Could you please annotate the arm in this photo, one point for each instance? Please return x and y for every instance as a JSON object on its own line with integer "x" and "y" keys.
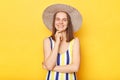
{"x": 74, "y": 67}
{"x": 50, "y": 56}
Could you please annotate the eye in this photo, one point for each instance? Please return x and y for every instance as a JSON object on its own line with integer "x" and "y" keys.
{"x": 65, "y": 19}
{"x": 57, "y": 19}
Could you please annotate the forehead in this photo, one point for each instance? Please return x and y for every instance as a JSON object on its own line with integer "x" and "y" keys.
{"x": 61, "y": 14}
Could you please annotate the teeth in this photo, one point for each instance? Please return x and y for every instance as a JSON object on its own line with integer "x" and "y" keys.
{"x": 60, "y": 25}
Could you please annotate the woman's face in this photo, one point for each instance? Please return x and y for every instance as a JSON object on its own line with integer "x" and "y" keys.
{"x": 61, "y": 21}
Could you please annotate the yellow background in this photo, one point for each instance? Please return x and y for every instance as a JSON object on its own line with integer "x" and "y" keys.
{"x": 22, "y": 32}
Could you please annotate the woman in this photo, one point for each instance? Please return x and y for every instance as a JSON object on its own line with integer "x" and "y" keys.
{"x": 61, "y": 49}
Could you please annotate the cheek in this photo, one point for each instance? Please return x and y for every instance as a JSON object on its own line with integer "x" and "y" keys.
{"x": 56, "y": 22}
{"x": 66, "y": 23}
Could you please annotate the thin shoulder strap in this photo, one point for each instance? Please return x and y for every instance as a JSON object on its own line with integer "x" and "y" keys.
{"x": 71, "y": 46}
{"x": 50, "y": 42}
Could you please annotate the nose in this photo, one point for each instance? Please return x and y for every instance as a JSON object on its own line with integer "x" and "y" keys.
{"x": 61, "y": 21}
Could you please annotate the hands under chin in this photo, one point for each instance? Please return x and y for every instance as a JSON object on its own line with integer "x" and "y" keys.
{"x": 58, "y": 36}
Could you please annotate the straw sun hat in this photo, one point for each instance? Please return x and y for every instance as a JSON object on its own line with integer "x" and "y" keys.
{"x": 48, "y": 13}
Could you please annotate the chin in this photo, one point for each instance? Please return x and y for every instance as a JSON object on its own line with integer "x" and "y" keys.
{"x": 61, "y": 30}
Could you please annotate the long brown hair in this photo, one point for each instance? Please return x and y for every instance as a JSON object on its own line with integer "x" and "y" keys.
{"x": 69, "y": 30}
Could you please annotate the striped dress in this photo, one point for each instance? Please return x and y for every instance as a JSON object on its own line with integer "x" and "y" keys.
{"x": 62, "y": 59}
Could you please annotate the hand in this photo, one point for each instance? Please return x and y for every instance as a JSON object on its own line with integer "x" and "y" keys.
{"x": 58, "y": 36}
{"x": 43, "y": 65}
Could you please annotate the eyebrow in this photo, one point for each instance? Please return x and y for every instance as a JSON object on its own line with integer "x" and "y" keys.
{"x": 58, "y": 17}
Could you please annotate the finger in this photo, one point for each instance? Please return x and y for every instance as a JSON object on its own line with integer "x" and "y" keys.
{"x": 58, "y": 31}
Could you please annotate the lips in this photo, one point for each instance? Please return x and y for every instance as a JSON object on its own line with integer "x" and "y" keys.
{"x": 60, "y": 26}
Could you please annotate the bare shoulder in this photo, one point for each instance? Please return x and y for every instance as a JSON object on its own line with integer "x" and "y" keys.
{"x": 46, "y": 45}
{"x": 76, "y": 38}
{"x": 77, "y": 41}
{"x": 46, "y": 40}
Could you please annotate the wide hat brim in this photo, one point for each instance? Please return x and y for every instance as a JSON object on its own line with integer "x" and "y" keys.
{"x": 49, "y": 12}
